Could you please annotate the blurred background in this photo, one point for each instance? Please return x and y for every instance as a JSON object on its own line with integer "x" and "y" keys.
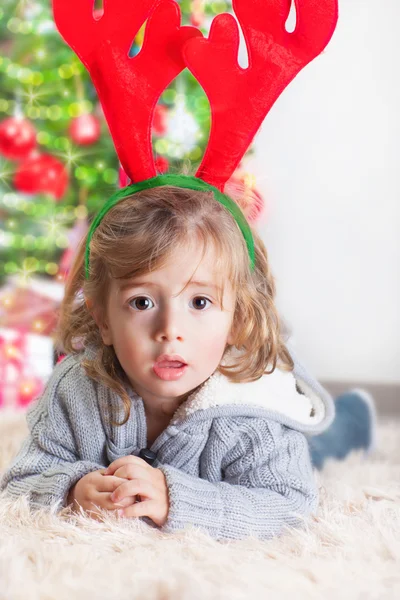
{"x": 320, "y": 183}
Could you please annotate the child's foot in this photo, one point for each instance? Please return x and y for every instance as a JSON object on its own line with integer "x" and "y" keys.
{"x": 354, "y": 428}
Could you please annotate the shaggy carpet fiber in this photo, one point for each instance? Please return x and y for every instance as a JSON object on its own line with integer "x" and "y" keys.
{"x": 349, "y": 549}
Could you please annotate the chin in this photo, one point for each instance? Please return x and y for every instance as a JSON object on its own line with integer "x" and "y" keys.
{"x": 174, "y": 389}
{"x": 171, "y": 389}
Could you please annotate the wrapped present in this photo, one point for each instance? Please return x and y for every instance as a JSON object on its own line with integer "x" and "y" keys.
{"x": 28, "y": 316}
{"x": 30, "y": 307}
{"x": 26, "y": 361}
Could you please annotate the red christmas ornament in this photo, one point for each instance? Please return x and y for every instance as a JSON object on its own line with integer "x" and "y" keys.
{"x": 247, "y": 197}
{"x": 196, "y": 19}
{"x": 85, "y": 130}
{"x": 256, "y": 207}
{"x": 161, "y": 164}
{"x": 160, "y": 119}
{"x": 42, "y": 173}
{"x": 17, "y": 138}
{"x": 197, "y": 16}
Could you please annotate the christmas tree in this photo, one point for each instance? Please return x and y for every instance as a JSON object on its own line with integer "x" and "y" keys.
{"x": 57, "y": 160}
{"x": 58, "y": 166}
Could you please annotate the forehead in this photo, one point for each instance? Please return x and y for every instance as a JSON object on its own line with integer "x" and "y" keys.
{"x": 188, "y": 262}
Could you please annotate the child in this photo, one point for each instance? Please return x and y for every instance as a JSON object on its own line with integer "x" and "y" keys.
{"x": 178, "y": 402}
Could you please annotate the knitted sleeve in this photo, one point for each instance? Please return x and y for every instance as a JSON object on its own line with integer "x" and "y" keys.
{"x": 267, "y": 484}
{"x": 47, "y": 465}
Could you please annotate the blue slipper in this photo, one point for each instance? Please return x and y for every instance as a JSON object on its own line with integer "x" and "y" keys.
{"x": 354, "y": 428}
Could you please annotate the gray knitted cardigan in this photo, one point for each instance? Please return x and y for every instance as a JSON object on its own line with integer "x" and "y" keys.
{"x": 235, "y": 456}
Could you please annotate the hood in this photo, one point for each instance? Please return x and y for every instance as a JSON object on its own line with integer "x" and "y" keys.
{"x": 290, "y": 397}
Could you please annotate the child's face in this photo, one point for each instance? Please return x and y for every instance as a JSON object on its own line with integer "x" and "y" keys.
{"x": 149, "y": 318}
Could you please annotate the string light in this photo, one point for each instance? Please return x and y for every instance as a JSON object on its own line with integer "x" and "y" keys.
{"x": 38, "y": 325}
{"x": 33, "y": 95}
{"x": 11, "y": 351}
{"x": 182, "y": 129}
{"x": 5, "y": 175}
{"x": 52, "y": 268}
{"x": 55, "y": 226}
{"x": 27, "y": 388}
{"x": 24, "y": 276}
{"x": 7, "y": 300}
{"x": 81, "y": 212}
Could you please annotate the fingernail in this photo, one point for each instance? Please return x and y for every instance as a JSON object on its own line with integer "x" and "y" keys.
{"x": 120, "y": 512}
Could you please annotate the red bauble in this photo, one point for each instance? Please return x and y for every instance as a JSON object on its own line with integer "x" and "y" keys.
{"x": 42, "y": 173}
{"x": 256, "y": 208}
{"x": 197, "y": 19}
{"x": 248, "y": 198}
{"x": 17, "y": 138}
{"x": 161, "y": 164}
{"x": 160, "y": 119}
{"x": 85, "y": 130}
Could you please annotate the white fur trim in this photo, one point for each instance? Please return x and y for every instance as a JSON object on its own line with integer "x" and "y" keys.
{"x": 276, "y": 392}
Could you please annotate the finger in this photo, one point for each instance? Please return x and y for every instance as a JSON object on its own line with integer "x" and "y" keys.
{"x": 109, "y": 484}
{"x": 104, "y": 500}
{"x": 122, "y": 461}
{"x": 131, "y": 471}
{"x": 134, "y": 487}
{"x": 140, "y": 509}
{"x": 128, "y": 501}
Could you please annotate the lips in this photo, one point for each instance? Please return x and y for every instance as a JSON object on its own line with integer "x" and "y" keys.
{"x": 171, "y": 361}
{"x": 170, "y": 367}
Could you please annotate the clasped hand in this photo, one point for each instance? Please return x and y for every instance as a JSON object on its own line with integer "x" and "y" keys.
{"x": 123, "y": 481}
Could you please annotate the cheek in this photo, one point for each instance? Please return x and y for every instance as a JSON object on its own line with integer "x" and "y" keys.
{"x": 123, "y": 337}
{"x": 213, "y": 342}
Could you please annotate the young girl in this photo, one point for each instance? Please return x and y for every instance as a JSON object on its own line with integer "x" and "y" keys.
{"x": 178, "y": 402}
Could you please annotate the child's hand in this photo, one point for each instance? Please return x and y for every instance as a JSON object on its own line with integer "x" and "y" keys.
{"x": 145, "y": 481}
{"x": 94, "y": 490}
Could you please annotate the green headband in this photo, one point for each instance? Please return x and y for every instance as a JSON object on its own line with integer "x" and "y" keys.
{"x": 182, "y": 181}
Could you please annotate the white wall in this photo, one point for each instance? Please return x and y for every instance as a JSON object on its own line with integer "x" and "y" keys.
{"x": 327, "y": 161}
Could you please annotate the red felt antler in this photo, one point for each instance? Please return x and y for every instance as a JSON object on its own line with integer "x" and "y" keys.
{"x": 128, "y": 87}
{"x": 241, "y": 98}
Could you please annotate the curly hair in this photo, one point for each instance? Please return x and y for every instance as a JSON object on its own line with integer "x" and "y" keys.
{"x": 137, "y": 236}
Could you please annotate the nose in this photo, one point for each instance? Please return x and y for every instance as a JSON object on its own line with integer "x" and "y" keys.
{"x": 169, "y": 325}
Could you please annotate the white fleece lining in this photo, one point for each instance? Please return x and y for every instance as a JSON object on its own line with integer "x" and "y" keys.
{"x": 276, "y": 392}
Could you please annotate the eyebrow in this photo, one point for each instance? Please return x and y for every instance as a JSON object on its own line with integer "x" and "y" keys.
{"x": 133, "y": 284}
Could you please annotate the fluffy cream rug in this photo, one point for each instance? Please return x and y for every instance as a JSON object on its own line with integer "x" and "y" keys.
{"x": 350, "y": 549}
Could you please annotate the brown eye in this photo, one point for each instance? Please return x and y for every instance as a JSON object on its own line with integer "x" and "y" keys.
{"x": 141, "y": 303}
{"x": 200, "y": 303}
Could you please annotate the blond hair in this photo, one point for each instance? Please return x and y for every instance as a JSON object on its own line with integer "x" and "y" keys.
{"x": 137, "y": 236}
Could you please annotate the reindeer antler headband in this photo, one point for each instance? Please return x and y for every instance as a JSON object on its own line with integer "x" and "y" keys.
{"x": 129, "y": 87}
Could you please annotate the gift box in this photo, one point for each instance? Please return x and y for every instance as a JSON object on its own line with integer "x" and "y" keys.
{"x": 26, "y": 362}
{"x": 28, "y": 316}
{"x": 30, "y": 307}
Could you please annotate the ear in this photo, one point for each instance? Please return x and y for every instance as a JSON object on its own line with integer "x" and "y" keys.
{"x": 103, "y": 326}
